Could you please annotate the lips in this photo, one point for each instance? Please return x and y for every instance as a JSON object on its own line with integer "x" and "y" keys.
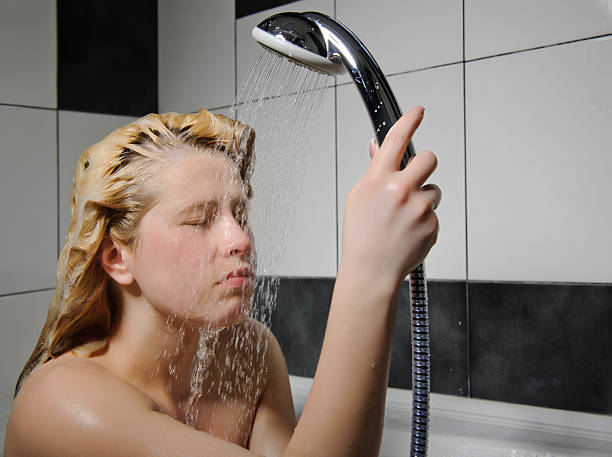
{"x": 244, "y": 272}
{"x": 238, "y": 277}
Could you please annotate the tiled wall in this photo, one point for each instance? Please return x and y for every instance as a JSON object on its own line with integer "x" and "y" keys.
{"x": 519, "y": 109}
{"x": 28, "y": 182}
{"x": 71, "y": 72}
{"x": 518, "y": 112}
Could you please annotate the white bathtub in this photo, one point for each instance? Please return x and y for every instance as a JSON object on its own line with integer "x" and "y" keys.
{"x": 463, "y": 427}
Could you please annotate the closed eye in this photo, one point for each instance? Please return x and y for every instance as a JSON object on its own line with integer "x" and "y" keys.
{"x": 211, "y": 212}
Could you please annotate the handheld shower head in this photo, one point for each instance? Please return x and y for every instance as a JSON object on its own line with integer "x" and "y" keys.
{"x": 324, "y": 44}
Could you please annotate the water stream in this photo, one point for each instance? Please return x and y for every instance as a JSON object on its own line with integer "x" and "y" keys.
{"x": 281, "y": 101}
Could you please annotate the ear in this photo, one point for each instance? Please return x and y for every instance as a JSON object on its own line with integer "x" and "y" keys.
{"x": 115, "y": 260}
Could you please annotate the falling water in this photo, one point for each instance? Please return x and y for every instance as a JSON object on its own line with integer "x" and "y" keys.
{"x": 281, "y": 101}
{"x": 204, "y": 356}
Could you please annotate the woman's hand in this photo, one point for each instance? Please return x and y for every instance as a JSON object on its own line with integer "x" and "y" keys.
{"x": 389, "y": 219}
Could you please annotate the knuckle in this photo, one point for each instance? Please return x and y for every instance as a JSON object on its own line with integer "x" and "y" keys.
{"x": 423, "y": 208}
{"x": 435, "y": 224}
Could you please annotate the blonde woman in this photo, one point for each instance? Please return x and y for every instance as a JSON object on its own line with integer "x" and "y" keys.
{"x": 156, "y": 280}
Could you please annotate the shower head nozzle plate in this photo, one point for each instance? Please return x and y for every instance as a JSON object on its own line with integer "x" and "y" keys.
{"x": 294, "y": 52}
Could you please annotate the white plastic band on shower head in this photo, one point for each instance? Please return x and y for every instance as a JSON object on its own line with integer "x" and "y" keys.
{"x": 296, "y": 53}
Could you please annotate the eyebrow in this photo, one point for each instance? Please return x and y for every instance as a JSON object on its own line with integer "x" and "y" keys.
{"x": 201, "y": 205}
{"x": 204, "y": 204}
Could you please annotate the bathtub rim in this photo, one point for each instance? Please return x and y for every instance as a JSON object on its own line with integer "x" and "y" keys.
{"x": 567, "y": 425}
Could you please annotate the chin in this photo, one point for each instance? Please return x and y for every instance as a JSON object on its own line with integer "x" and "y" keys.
{"x": 230, "y": 311}
{"x": 239, "y": 314}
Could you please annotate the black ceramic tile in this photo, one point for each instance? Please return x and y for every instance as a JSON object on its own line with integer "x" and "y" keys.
{"x": 299, "y": 321}
{"x": 246, "y": 7}
{"x": 542, "y": 344}
{"x": 300, "y": 317}
{"x": 448, "y": 339}
{"x": 107, "y": 56}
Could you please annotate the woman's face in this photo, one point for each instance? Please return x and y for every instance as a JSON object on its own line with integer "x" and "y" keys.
{"x": 194, "y": 258}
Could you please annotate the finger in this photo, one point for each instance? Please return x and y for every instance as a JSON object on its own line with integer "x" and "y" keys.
{"x": 434, "y": 194}
{"x": 420, "y": 168}
{"x": 397, "y": 139}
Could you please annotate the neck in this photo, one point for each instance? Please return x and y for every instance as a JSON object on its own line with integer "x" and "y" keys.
{"x": 156, "y": 352}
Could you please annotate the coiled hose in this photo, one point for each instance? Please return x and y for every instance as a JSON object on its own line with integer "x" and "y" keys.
{"x": 419, "y": 311}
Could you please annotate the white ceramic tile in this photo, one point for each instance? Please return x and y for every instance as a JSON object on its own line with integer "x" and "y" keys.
{"x": 196, "y": 54}
{"x": 293, "y": 215}
{"x": 498, "y": 26}
{"x": 224, "y": 111}
{"x": 538, "y": 164}
{"x": 405, "y": 35}
{"x": 28, "y": 53}
{"x": 78, "y": 131}
{"x": 21, "y": 321}
{"x": 440, "y": 91}
{"x": 247, "y": 48}
{"x": 28, "y": 186}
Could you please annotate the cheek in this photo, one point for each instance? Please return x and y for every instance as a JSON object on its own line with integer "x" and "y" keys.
{"x": 173, "y": 254}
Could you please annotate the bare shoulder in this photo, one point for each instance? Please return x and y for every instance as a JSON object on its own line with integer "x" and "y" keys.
{"x": 266, "y": 336}
{"x": 251, "y": 335}
{"x": 64, "y": 399}
{"x": 77, "y": 408}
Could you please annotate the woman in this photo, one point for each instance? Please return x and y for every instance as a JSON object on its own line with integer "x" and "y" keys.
{"x": 156, "y": 277}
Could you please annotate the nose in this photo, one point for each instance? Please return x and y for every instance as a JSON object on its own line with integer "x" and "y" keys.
{"x": 238, "y": 239}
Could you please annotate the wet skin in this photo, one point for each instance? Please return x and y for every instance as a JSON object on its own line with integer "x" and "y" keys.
{"x": 192, "y": 268}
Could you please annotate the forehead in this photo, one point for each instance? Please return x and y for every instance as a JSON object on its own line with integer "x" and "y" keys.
{"x": 197, "y": 176}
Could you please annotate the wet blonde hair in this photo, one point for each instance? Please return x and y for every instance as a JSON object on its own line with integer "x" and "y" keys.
{"x": 110, "y": 196}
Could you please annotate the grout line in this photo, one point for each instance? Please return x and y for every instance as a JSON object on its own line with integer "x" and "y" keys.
{"x": 534, "y": 48}
{"x": 465, "y": 189}
{"x": 57, "y": 127}
{"x": 28, "y": 106}
{"x": 57, "y": 179}
{"x": 464, "y": 61}
{"x": 276, "y": 96}
{"x": 219, "y": 107}
{"x": 157, "y": 110}
{"x": 336, "y": 171}
{"x": 541, "y": 283}
{"x": 336, "y": 155}
{"x": 389, "y": 75}
{"x": 26, "y": 292}
{"x": 235, "y": 57}
{"x": 457, "y": 281}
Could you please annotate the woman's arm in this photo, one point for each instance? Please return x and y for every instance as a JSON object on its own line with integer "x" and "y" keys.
{"x": 275, "y": 418}
{"x": 389, "y": 227}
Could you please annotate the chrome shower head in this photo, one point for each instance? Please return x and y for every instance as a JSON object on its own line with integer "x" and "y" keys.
{"x": 296, "y": 37}
{"x": 324, "y": 44}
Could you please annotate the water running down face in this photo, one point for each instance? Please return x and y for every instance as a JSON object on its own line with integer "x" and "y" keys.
{"x": 195, "y": 254}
